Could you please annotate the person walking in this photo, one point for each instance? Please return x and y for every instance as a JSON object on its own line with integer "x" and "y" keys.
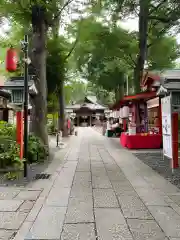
{"x": 68, "y": 125}
{"x": 104, "y": 127}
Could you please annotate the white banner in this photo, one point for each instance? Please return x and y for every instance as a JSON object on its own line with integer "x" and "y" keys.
{"x": 166, "y": 126}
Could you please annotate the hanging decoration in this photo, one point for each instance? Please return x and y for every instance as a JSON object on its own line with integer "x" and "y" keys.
{"x": 125, "y": 112}
{"x": 121, "y": 113}
{"x": 11, "y": 60}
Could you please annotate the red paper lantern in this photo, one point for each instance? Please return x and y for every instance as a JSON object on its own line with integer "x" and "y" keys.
{"x": 11, "y": 60}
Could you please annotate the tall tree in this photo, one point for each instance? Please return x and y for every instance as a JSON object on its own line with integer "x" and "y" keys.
{"x": 98, "y": 58}
{"x": 42, "y": 15}
{"x": 104, "y": 54}
{"x": 157, "y": 17}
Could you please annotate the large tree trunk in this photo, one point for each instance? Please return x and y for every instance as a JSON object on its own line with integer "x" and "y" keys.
{"x": 119, "y": 92}
{"x": 60, "y": 93}
{"x": 143, "y": 34}
{"x": 61, "y": 118}
{"x": 39, "y": 120}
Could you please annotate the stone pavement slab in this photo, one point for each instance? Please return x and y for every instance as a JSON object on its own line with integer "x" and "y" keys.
{"x": 48, "y": 225}
{"x": 23, "y": 231}
{"x": 65, "y": 178}
{"x": 145, "y": 229}
{"x": 99, "y": 191}
{"x": 26, "y": 206}
{"x": 81, "y": 177}
{"x": 123, "y": 188}
{"x": 168, "y": 220}
{"x": 78, "y": 232}
{"x": 133, "y": 207}
{"x": 28, "y": 195}
{"x": 78, "y": 191}
{"x": 83, "y": 166}
{"x": 101, "y": 182}
{"x": 116, "y": 175}
{"x": 12, "y": 220}
{"x": 111, "y": 224}
{"x": 175, "y": 198}
{"x": 152, "y": 197}
{"x": 8, "y": 193}
{"x": 80, "y": 210}
{"x": 104, "y": 198}
{"x": 6, "y": 235}
{"x": 10, "y": 205}
{"x": 98, "y": 172}
{"x": 58, "y": 197}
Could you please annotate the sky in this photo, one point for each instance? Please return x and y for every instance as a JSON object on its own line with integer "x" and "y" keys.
{"x": 131, "y": 24}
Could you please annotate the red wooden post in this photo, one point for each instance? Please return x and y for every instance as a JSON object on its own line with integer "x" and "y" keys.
{"x": 19, "y": 131}
{"x": 124, "y": 125}
{"x": 175, "y": 163}
{"x": 160, "y": 117}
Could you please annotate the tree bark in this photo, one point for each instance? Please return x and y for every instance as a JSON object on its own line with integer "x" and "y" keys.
{"x": 60, "y": 87}
{"x": 39, "y": 120}
{"x": 61, "y": 104}
{"x": 119, "y": 92}
{"x": 143, "y": 34}
{"x": 61, "y": 117}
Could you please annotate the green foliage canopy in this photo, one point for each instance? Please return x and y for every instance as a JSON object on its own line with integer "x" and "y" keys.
{"x": 105, "y": 54}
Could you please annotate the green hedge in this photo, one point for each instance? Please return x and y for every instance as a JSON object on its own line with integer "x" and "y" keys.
{"x": 9, "y": 149}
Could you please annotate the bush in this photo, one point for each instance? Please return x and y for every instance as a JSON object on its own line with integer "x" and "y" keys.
{"x": 9, "y": 150}
{"x": 36, "y": 149}
{"x": 9, "y": 155}
{"x": 51, "y": 128}
{"x": 7, "y": 130}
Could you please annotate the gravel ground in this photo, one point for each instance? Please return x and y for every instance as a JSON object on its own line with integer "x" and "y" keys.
{"x": 160, "y": 165}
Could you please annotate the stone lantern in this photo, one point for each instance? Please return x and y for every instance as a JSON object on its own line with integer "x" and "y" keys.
{"x": 15, "y": 85}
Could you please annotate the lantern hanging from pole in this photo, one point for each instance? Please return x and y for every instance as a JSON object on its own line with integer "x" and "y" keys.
{"x": 121, "y": 113}
{"x": 114, "y": 114}
{"x": 125, "y": 112}
{"x": 117, "y": 114}
{"x": 11, "y": 60}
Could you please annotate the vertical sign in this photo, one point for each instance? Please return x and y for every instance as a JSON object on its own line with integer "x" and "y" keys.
{"x": 166, "y": 126}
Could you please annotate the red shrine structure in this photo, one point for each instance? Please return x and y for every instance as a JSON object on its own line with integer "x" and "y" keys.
{"x": 144, "y": 115}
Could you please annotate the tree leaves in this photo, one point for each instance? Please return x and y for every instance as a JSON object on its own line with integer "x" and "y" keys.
{"x": 104, "y": 54}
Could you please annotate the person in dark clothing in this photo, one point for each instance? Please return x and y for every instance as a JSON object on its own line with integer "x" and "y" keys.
{"x": 117, "y": 129}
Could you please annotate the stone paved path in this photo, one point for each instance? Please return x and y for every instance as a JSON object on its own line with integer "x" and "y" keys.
{"x": 99, "y": 192}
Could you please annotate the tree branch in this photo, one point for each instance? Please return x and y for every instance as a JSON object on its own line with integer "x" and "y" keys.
{"x": 75, "y": 43}
{"x": 167, "y": 19}
{"x": 61, "y": 10}
{"x": 160, "y": 33}
{"x": 72, "y": 49}
{"x": 155, "y": 40}
{"x": 131, "y": 58}
{"x": 158, "y": 6}
{"x": 21, "y": 3}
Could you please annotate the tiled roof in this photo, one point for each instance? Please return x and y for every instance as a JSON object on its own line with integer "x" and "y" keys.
{"x": 168, "y": 73}
{"x": 17, "y": 83}
{"x": 86, "y": 105}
